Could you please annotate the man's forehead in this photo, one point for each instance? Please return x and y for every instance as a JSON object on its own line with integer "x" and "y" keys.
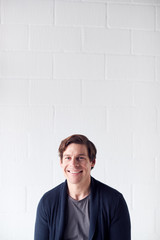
{"x": 80, "y": 149}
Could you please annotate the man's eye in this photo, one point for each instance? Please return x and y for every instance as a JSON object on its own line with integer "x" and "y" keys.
{"x": 81, "y": 158}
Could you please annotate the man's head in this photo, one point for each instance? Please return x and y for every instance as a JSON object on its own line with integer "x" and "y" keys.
{"x": 78, "y": 139}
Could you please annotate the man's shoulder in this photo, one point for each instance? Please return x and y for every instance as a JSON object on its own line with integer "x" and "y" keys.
{"x": 107, "y": 196}
{"x": 53, "y": 194}
{"x": 51, "y": 200}
{"x": 106, "y": 190}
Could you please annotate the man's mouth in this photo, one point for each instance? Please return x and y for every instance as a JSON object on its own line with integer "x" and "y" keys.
{"x": 74, "y": 172}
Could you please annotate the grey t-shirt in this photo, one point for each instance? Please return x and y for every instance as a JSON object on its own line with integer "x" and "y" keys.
{"x": 77, "y": 227}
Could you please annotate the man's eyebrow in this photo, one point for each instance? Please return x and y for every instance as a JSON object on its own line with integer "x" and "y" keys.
{"x": 81, "y": 154}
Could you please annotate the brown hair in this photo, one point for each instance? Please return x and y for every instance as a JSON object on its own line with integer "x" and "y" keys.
{"x": 79, "y": 139}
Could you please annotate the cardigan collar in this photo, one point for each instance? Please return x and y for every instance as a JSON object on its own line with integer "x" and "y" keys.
{"x": 62, "y": 211}
{"x": 94, "y": 207}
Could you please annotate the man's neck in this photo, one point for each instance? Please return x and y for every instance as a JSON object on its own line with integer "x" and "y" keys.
{"x": 78, "y": 192}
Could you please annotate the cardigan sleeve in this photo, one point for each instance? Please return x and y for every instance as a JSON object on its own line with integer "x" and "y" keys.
{"x": 120, "y": 228}
{"x": 41, "y": 224}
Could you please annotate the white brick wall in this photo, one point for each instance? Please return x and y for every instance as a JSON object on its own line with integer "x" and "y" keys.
{"x": 104, "y": 40}
{"x": 79, "y": 14}
{"x": 107, "y": 93}
{"x": 13, "y": 37}
{"x": 146, "y": 43}
{"x": 51, "y": 92}
{"x": 27, "y": 12}
{"x": 139, "y": 68}
{"x": 51, "y": 38}
{"x": 79, "y": 66}
{"x": 131, "y": 16}
{"x": 25, "y": 64}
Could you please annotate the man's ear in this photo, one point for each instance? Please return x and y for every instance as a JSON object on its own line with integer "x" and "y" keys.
{"x": 93, "y": 163}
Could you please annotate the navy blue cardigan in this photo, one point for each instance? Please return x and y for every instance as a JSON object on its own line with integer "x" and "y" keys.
{"x": 109, "y": 216}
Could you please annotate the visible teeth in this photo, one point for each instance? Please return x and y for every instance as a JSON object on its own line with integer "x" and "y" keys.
{"x": 74, "y": 172}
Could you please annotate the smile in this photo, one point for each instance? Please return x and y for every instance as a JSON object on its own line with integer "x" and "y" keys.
{"x": 74, "y": 172}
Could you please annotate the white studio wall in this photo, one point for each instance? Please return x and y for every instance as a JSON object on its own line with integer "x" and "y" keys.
{"x": 81, "y": 66}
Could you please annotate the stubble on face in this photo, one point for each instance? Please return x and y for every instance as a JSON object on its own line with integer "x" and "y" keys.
{"x": 76, "y": 164}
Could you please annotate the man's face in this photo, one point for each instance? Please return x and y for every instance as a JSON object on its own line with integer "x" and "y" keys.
{"x": 76, "y": 164}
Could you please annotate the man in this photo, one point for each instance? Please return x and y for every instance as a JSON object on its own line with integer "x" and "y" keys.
{"x": 81, "y": 207}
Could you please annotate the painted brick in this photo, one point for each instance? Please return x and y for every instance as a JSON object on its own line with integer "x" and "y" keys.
{"x": 144, "y": 120}
{"x": 157, "y": 71}
{"x": 108, "y": 41}
{"x": 26, "y": 224}
{"x": 113, "y": 1}
{"x": 123, "y": 153}
{"x": 34, "y": 194}
{"x": 51, "y": 92}
{"x": 143, "y": 141}
{"x": 146, "y": 196}
{"x": 40, "y": 118}
{"x": 146, "y": 43}
{"x": 79, "y": 119}
{"x": 148, "y": 234}
{"x": 123, "y": 16}
{"x": 55, "y": 38}
{"x": 158, "y": 120}
{"x": 58, "y": 176}
{"x": 9, "y": 229}
{"x": 138, "y": 168}
{"x": 26, "y": 64}
{"x": 40, "y": 159}
{"x": 157, "y": 168}
{"x": 27, "y": 12}
{"x": 131, "y": 68}
{"x": 112, "y": 93}
{"x": 14, "y": 147}
{"x": 158, "y": 18}
{"x": 147, "y": 94}
{"x": 18, "y": 199}
{"x": 158, "y": 221}
{"x": 79, "y": 66}
{"x": 143, "y": 226}
{"x": 118, "y": 161}
{"x": 120, "y": 120}
{"x": 145, "y": 1}
{"x": 13, "y": 37}
{"x": 100, "y": 169}
{"x": 57, "y": 173}
{"x": 40, "y": 65}
{"x": 1, "y": 174}
{"x": 14, "y": 91}
{"x": 14, "y": 173}
{"x": 6, "y": 223}
{"x": 45, "y": 143}
{"x": 13, "y": 64}
{"x": 24, "y": 119}
{"x": 80, "y": 14}
{"x": 13, "y": 158}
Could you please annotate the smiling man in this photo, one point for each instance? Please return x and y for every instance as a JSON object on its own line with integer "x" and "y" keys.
{"x": 81, "y": 208}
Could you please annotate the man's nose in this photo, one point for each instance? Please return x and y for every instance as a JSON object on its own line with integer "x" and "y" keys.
{"x": 74, "y": 161}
